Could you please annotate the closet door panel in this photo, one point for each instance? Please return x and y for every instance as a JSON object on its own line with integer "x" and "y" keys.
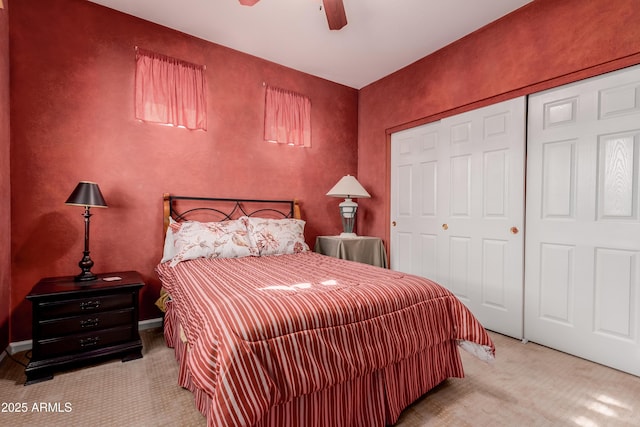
{"x": 582, "y": 276}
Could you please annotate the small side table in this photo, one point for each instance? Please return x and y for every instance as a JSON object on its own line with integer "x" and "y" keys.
{"x": 81, "y": 322}
{"x": 365, "y": 249}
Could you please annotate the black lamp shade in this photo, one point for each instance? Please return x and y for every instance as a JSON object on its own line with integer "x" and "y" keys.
{"x": 87, "y": 194}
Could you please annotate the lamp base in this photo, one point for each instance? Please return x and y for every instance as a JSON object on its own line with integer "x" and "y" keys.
{"x": 86, "y": 262}
{"x": 85, "y": 276}
{"x": 348, "y": 210}
{"x": 348, "y": 235}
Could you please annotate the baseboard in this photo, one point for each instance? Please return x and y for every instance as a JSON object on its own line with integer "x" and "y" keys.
{"x": 150, "y": 323}
{"x": 17, "y": 347}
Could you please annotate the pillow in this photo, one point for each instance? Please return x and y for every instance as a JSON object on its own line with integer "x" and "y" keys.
{"x": 227, "y": 239}
{"x": 277, "y": 236}
{"x": 169, "y": 250}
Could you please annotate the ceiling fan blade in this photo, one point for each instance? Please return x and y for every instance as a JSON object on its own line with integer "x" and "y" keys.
{"x": 248, "y": 2}
{"x": 336, "y": 15}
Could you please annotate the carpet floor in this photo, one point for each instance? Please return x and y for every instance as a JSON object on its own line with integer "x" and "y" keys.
{"x": 527, "y": 385}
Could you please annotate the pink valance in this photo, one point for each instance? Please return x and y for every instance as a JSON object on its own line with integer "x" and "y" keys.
{"x": 170, "y": 91}
{"x": 287, "y": 117}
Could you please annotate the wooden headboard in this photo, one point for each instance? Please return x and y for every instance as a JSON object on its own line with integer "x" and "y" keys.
{"x": 206, "y": 209}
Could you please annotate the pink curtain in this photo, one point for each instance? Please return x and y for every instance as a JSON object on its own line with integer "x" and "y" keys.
{"x": 170, "y": 91}
{"x": 287, "y": 117}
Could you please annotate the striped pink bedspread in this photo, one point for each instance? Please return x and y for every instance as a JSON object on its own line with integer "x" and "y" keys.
{"x": 263, "y": 330}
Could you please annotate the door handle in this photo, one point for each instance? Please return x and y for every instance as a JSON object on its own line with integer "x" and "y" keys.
{"x": 445, "y": 226}
{"x": 393, "y": 223}
{"x": 514, "y": 230}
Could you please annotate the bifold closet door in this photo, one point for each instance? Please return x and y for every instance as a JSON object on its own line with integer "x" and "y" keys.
{"x": 582, "y": 281}
{"x": 457, "y": 201}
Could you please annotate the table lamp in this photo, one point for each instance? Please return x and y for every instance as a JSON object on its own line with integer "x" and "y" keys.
{"x": 348, "y": 187}
{"x": 86, "y": 194}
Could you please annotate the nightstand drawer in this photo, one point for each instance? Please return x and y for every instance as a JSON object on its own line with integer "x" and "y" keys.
{"x": 82, "y": 342}
{"x": 88, "y": 322}
{"x": 53, "y": 309}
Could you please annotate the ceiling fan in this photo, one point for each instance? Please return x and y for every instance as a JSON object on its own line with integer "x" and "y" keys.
{"x": 334, "y": 9}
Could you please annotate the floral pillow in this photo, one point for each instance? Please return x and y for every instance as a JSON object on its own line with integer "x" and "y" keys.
{"x": 169, "y": 250}
{"x": 277, "y": 236}
{"x": 227, "y": 239}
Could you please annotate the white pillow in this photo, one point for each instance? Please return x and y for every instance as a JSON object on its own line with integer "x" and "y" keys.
{"x": 226, "y": 239}
{"x": 277, "y": 236}
{"x": 169, "y": 249}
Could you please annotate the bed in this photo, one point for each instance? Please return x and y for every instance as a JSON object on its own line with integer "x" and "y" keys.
{"x": 269, "y": 333}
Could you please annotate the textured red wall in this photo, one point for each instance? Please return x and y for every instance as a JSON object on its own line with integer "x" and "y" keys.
{"x": 72, "y": 69}
{"x": 544, "y": 44}
{"x": 5, "y": 189}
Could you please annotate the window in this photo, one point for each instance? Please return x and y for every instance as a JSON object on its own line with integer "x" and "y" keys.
{"x": 170, "y": 91}
{"x": 287, "y": 117}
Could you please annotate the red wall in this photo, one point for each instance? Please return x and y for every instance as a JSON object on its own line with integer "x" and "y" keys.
{"x": 71, "y": 88}
{"x": 5, "y": 189}
{"x": 544, "y": 44}
{"x": 72, "y": 74}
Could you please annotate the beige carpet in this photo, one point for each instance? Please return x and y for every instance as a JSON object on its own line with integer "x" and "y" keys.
{"x": 528, "y": 385}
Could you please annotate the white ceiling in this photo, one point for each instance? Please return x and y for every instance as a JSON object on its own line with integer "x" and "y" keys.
{"x": 381, "y": 36}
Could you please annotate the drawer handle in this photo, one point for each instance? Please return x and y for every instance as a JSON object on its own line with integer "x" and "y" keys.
{"x": 89, "y": 323}
{"x": 89, "y": 342}
{"x": 89, "y": 305}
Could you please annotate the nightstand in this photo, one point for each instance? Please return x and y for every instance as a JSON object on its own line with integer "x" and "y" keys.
{"x": 365, "y": 249}
{"x": 76, "y": 323}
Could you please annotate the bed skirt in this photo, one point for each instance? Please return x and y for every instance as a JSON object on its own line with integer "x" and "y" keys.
{"x": 374, "y": 400}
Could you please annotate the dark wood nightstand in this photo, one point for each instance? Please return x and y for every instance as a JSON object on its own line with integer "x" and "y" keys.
{"x": 76, "y": 323}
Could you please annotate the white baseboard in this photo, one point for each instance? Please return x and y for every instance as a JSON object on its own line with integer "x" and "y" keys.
{"x": 150, "y": 323}
{"x": 17, "y": 347}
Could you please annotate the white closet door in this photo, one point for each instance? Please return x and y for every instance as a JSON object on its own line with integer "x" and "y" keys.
{"x": 457, "y": 192}
{"x": 583, "y": 220}
{"x": 415, "y": 173}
